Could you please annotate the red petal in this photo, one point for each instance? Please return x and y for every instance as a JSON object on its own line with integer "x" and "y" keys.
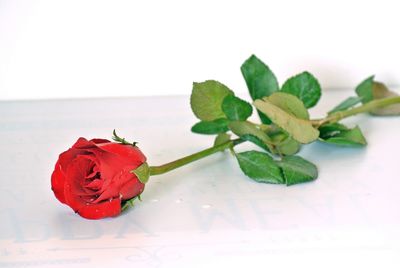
{"x": 115, "y": 162}
{"x": 131, "y": 189}
{"x": 130, "y": 154}
{"x": 58, "y": 176}
{"x": 83, "y": 143}
{"x": 57, "y": 183}
{"x": 67, "y": 157}
{"x": 101, "y": 210}
{"x": 73, "y": 189}
{"x": 98, "y": 141}
{"x": 94, "y": 184}
{"x": 123, "y": 183}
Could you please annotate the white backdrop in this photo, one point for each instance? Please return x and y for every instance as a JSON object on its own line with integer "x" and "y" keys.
{"x": 63, "y": 49}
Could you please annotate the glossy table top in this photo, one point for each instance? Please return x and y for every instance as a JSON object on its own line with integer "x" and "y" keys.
{"x": 207, "y": 214}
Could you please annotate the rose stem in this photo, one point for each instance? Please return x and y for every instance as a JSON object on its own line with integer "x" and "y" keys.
{"x": 335, "y": 117}
{"x": 157, "y": 170}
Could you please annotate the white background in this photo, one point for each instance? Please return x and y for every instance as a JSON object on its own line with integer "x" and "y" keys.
{"x": 63, "y": 49}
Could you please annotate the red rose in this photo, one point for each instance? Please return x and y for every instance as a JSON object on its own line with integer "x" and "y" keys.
{"x": 93, "y": 177}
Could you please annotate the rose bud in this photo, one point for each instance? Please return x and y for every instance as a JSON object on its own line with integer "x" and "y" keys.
{"x": 97, "y": 177}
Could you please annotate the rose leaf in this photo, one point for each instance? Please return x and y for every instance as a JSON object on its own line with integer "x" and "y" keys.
{"x": 260, "y": 80}
{"x": 206, "y": 99}
{"x": 236, "y": 108}
{"x": 296, "y": 170}
{"x": 222, "y": 138}
{"x": 299, "y": 129}
{"x": 340, "y": 135}
{"x": 290, "y": 104}
{"x": 346, "y": 104}
{"x": 304, "y": 86}
{"x": 211, "y": 127}
{"x": 260, "y": 167}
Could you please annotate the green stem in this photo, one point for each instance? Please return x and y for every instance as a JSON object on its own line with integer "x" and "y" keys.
{"x": 372, "y": 105}
{"x": 157, "y": 170}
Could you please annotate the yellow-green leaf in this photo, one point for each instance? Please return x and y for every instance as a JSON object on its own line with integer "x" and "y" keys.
{"x": 290, "y": 104}
{"x": 380, "y": 91}
{"x": 299, "y": 129}
{"x": 221, "y": 138}
{"x": 242, "y": 128}
{"x": 207, "y": 98}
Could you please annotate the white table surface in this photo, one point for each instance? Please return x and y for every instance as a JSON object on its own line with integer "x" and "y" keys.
{"x": 204, "y": 215}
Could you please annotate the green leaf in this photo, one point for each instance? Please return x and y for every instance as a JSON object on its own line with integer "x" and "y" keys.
{"x": 330, "y": 130}
{"x": 206, "y": 99}
{"x": 236, "y": 108}
{"x": 257, "y": 141}
{"x": 380, "y": 91}
{"x": 260, "y": 80}
{"x": 299, "y": 129}
{"x": 304, "y": 86}
{"x": 340, "y": 135}
{"x": 288, "y": 146}
{"x": 297, "y": 170}
{"x": 364, "y": 90}
{"x": 129, "y": 203}
{"x": 370, "y": 90}
{"x": 142, "y": 172}
{"x": 211, "y": 127}
{"x": 351, "y": 138}
{"x": 260, "y": 167}
{"x": 222, "y": 138}
{"x": 241, "y": 128}
{"x": 283, "y": 143}
{"x": 346, "y": 104}
{"x": 290, "y": 104}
